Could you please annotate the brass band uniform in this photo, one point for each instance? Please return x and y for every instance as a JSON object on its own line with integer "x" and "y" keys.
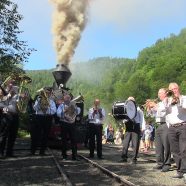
{"x": 133, "y": 132}
{"x": 176, "y": 119}
{"x": 44, "y": 108}
{"x": 67, "y": 112}
{"x": 96, "y": 117}
{"x": 3, "y": 123}
{"x": 163, "y": 154}
{"x": 12, "y": 120}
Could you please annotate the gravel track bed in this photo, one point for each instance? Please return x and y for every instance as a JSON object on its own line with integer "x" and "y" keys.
{"x": 82, "y": 173}
{"x": 39, "y": 171}
{"x": 141, "y": 173}
{"x": 28, "y": 170}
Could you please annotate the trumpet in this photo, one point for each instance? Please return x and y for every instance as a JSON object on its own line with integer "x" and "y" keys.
{"x": 172, "y": 97}
{"x": 150, "y": 103}
{"x": 169, "y": 93}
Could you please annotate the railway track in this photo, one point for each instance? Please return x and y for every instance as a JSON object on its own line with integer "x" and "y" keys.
{"x": 91, "y": 172}
{"x": 52, "y": 170}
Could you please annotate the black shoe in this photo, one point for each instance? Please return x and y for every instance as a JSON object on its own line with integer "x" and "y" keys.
{"x": 2, "y": 156}
{"x": 165, "y": 169}
{"x": 123, "y": 160}
{"x": 42, "y": 153}
{"x": 158, "y": 167}
{"x": 134, "y": 162}
{"x": 64, "y": 156}
{"x": 31, "y": 154}
{"x": 100, "y": 157}
{"x": 90, "y": 157}
{"x": 75, "y": 159}
{"x": 11, "y": 156}
{"x": 179, "y": 175}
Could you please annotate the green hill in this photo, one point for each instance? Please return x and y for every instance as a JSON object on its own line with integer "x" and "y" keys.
{"x": 112, "y": 79}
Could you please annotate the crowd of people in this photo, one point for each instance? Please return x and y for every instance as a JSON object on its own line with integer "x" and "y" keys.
{"x": 169, "y": 113}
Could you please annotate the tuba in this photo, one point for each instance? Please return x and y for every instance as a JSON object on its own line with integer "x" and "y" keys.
{"x": 70, "y": 112}
{"x": 23, "y": 94}
{"x": 79, "y": 98}
{"x": 44, "y": 100}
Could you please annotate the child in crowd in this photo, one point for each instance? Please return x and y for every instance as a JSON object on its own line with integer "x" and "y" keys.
{"x": 110, "y": 134}
{"x": 148, "y": 133}
{"x": 118, "y": 139}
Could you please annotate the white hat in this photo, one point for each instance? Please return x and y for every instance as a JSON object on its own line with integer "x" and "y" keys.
{"x": 131, "y": 98}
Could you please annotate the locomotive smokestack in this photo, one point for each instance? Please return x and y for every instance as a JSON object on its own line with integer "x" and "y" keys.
{"x": 61, "y": 74}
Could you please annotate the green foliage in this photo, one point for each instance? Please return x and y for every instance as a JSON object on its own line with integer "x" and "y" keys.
{"x": 13, "y": 52}
{"x": 114, "y": 79}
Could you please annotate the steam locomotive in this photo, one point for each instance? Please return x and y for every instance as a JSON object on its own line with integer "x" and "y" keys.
{"x": 61, "y": 75}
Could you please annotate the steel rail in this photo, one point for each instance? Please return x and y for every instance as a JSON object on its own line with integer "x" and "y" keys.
{"x": 62, "y": 173}
{"x": 111, "y": 174}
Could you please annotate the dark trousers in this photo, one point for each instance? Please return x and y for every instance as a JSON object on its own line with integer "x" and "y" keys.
{"x": 95, "y": 131}
{"x": 11, "y": 124}
{"x": 177, "y": 138}
{"x": 3, "y": 133}
{"x": 163, "y": 154}
{"x": 68, "y": 131}
{"x": 133, "y": 135}
{"x": 40, "y": 128}
{"x": 87, "y": 136}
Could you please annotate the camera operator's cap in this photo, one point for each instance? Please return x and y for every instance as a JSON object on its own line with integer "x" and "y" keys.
{"x": 131, "y": 98}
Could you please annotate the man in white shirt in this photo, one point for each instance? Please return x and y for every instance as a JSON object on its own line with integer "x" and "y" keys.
{"x": 11, "y": 118}
{"x": 163, "y": 154}
{"x": 96, "y": 116}
{"x": 176, "y": 119}
{"x": 45, "y": 108}
{"x": 67, "y": 112}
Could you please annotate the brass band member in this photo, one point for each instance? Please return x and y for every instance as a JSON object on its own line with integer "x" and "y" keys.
{"x": 176, "y": 119}
{"x": 3, "y": 123}
{"x": 96, "y": 117}
{"x": 163, "y": 155}
{"x": 12, "y": 120}
{"x": 44, "y": 108}
{"x": 133, "y": 131}
{"x": 67, "y": 112}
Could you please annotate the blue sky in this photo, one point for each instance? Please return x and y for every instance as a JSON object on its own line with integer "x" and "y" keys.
{"x": 115, "y": 28}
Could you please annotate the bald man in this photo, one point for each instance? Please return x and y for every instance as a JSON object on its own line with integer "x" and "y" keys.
{"x": 96, "y": 117}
